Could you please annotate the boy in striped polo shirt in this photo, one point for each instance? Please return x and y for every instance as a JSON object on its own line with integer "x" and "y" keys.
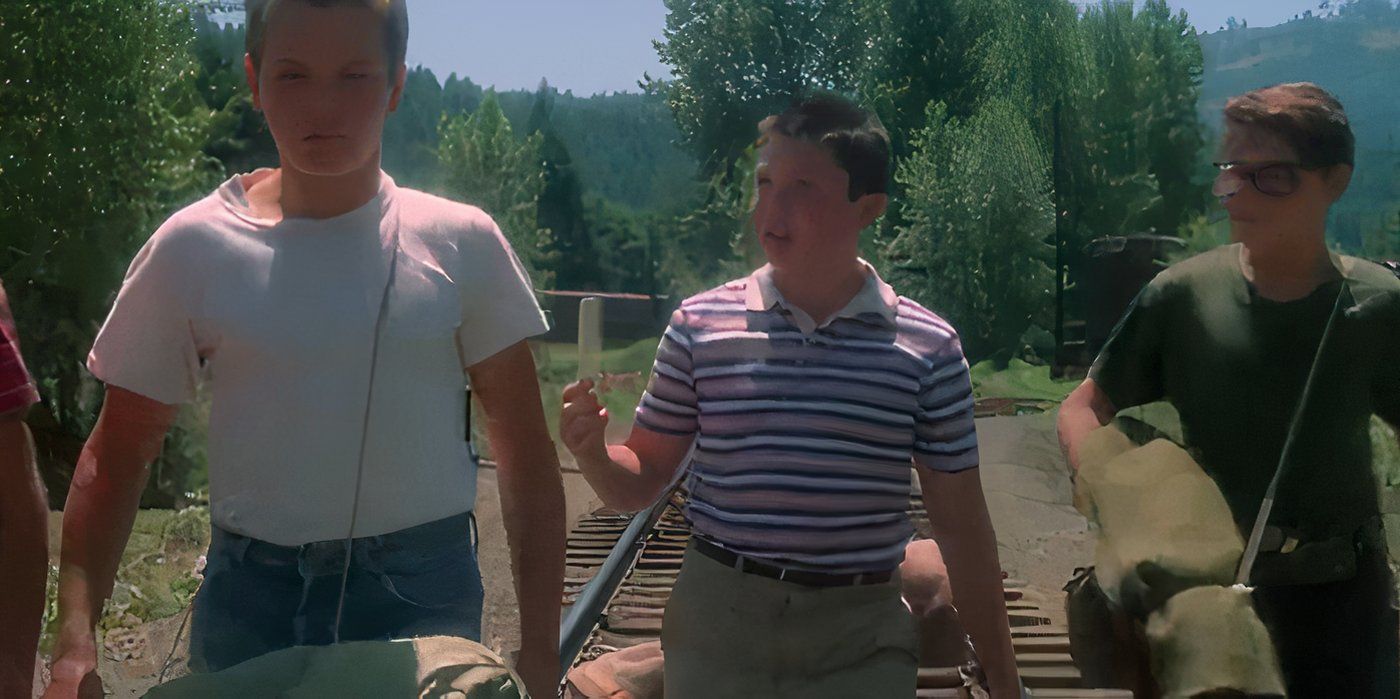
{"x": 808, "y": 388}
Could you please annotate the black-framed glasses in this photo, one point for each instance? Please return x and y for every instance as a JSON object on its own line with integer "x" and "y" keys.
{"x": 1275, "y": 179}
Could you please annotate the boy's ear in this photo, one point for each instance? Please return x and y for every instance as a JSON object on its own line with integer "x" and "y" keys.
{"x": 252, "y": 74}
{"x": 1338, "y": 178}
{"x": 394, "y": 96}
{"x": 871, "y": 207}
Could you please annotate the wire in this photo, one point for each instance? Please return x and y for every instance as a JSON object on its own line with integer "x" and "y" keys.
{"x": 364, "y": 436}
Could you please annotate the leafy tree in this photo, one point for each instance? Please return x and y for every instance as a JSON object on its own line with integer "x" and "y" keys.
{"x": 1141, "y": 137}
{"x": 484, "y": 164}
{"x": 978, "y": 205}
{"x": 560, "y": 206}
{"x": 1382, "y": 241}
{"x": 628, "y": 247}
{"x": 100, "y": 140}
{"x": 238, "y": 136}
{"x": 714, "y": 242}
{"x": 461, "y": 95}
{"x": 410, "y": 132}
{"x": 918, "y": 55}
{"x": 737, "y": 61}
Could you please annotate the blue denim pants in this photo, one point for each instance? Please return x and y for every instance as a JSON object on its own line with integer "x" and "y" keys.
{"x": 259, "y": 597}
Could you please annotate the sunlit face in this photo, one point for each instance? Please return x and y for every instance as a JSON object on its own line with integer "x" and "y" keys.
{"x": 1265, "y": 191}
{"x": 803, "y": 217}
{"x": 323, "y": 86}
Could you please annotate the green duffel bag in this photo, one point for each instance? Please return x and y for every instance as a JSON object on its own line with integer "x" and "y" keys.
{"x": 421, "y": 668}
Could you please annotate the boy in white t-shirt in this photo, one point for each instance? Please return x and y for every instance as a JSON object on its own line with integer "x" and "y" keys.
{"x": 339, "y": 316}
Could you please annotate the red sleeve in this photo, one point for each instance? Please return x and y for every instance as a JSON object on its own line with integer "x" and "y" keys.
{"x": 16, "y": 387}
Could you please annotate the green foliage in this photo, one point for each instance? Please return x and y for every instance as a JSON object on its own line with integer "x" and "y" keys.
{"x": 101, "y": 138}
{"x": 1100, "y": 107}
{"x": 713, "y": 243}
{"x": 158, "y": 576}
{"x": 1202, "y": 233}
{"x": 409, "y": 152}
{"x": 978, "y": 211}
{"x": 560, "y": 206}
{"x": 627, "y": 247}
{"x": 1135, "y": 120}
{"x": 558, "y": 367}
{"x": 918, "y": 55}
{"x": 737, "y": 61}
{"x": 484, "y": 164}
{"x": 238, "y": 136}
{"x": 623, "y": 147}
{"x": 1382, "y": 242}
{"x": 1018, "y": 380}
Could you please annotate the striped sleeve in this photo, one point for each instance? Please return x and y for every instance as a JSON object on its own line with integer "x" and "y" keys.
{"x": 669, "y": 405}
{"x": 945, "y": 437}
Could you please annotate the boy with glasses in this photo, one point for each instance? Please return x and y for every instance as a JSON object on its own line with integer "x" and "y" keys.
{"x": 1229, "y": 337}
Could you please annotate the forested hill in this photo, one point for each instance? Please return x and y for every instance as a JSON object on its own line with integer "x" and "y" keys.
{"x": 1356, "y": 55}
{"x": 622, "y": 145}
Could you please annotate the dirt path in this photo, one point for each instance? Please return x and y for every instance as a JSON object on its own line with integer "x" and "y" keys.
{"x": 1041, "y": 538}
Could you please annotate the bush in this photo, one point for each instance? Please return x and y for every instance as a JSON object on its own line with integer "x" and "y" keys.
{"x": 978, "y": 211}
{"x": 101, "y": 139}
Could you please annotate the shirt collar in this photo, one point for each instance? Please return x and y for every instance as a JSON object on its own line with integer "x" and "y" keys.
{"x": 1243, "y": 287}
{"x": 875, "y": 297}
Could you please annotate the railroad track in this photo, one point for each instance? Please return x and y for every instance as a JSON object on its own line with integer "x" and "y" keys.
{"x": 633, "y": 611}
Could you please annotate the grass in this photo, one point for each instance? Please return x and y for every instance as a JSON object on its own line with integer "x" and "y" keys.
{"x": 157, "y": 575}
{"x": 630, "y": 364}
{"x": 1019, "y": 379}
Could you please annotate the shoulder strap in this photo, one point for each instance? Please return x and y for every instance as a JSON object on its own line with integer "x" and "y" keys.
{"x": 1251, "y": 549}
{"x": 364, "y": 427}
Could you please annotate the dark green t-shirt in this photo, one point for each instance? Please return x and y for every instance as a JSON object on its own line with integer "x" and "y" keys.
{"x": 1234, "y": 364}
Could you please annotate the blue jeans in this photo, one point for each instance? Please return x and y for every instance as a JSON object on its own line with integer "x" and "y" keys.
{"x": 259, "y": 597}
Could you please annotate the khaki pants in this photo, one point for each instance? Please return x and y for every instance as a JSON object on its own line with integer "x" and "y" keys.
{"x": 733, "y": 634}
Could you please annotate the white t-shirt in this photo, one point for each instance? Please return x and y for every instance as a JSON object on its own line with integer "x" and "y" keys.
{"x": 284, "y": 313}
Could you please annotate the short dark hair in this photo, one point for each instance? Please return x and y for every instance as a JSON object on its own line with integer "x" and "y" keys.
{"x": 393, "y": 12}
{"x": 853, "y": 135}
{"x": 1306, "y": 117}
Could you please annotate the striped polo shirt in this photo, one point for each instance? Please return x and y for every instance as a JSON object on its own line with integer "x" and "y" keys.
{"x": 806, "y": 434}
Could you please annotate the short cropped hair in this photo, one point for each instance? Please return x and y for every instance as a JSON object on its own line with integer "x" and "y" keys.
{"x": 393, "y": 12}
{"x": 853, "y": 135}
{"x": 1304, "y": 116}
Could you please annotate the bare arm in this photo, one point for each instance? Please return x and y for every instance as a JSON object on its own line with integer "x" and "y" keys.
{"x": 1084, "y": 410}
{"x": 97, "y": 519}
{"x": 24, "y": 555}
{"x": 963, "y": 529}
{"x": 532, "y": 504}
{"x": 627, "y": 476}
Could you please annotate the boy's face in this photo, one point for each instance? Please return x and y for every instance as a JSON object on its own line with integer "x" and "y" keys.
{"x": 803, "y": 217}
{"x": 324, "y": 86}
{"x": 1285, "y": 193}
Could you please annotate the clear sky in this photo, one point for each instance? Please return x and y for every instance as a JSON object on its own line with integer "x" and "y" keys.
{"x": 1210, "y": 15}
{"x": 592, "y": 46}
{"x": 587, "y": 46}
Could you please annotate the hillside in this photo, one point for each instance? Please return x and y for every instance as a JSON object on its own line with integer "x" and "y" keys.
{"x": 1356, "y": 56}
